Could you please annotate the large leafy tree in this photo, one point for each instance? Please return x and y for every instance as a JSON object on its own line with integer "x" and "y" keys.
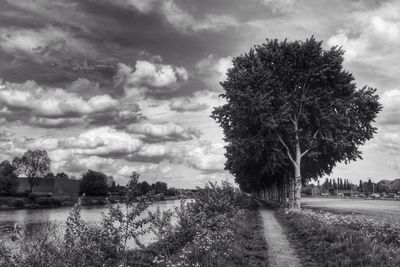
{"x": 94, "y": 183}
{"x": 8, "y": 179}
{"x": 34, "y": 164}
{"x": 293, "y": 104}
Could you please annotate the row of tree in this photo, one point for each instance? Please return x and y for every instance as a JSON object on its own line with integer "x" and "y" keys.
{"x": 291, "y": 114}
{"x": 35, "y": 164}
{"x": 339, "y": 183}
{"x": 94, "y": 183}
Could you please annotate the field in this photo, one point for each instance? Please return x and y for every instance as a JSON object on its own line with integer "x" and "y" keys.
{"x": 388, "y": 210}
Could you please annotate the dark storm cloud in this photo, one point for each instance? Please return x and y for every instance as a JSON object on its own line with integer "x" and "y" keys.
{"x": 110, "y": 34}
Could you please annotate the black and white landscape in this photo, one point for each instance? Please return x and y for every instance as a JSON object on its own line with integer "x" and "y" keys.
{"x": 199, "y": 133}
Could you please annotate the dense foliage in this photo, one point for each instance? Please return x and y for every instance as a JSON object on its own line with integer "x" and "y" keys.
{"x": 8, "y": 179}
{"x": 94, "y": 183}
{"x": 292, "y": 106}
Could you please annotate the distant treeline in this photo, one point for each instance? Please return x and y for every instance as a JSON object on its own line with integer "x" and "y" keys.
{"x": 35, "y": 164}
{"x": 94, "y": 183}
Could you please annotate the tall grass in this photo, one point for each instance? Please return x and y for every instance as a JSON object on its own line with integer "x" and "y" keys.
{"x": 328, "y": 239}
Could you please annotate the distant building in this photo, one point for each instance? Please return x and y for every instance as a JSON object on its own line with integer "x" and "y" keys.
{"x": 53, "y": 185}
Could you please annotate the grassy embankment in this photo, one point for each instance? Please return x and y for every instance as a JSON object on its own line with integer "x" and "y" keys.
{"x": 327, "y": 239}
{"x": 219, "y": 227}
{"x": 35, "y": 201}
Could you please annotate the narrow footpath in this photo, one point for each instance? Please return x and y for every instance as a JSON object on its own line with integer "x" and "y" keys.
{"x": 280, "y": 253}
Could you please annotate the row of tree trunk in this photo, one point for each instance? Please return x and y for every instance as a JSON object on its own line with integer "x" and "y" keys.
{"x": 282, "y": 192}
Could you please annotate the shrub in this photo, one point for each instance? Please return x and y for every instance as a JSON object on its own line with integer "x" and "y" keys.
{"x": 48, "y": 201}
{"x": 204, "y": 224}
{"x": 17, "y": 202}
{"x": 33, "y": 196}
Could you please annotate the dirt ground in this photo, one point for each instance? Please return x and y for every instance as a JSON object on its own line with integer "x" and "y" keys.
{"x": 280, "y": 252}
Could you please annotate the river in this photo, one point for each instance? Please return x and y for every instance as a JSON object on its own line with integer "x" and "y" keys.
{"x": 29, "y": 218}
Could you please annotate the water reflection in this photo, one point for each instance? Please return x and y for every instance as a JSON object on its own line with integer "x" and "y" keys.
{"x": 38, "y": 220}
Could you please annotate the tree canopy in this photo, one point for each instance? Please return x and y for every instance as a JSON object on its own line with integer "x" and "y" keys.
{"x": 8, "y": 179}
{"x": 34, "y": 164}
{"x": 292, "y": 106}
{"x": 94, "y": 183}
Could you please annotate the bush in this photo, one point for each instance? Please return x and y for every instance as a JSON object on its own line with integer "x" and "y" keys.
{"x": 48, "y": 201}
{"x": 205, "y": 232}
{"x": 18, "y": 202}
{"x": 33, "y": 196}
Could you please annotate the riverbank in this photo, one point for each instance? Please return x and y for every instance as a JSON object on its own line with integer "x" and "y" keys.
{"x": 43, "y": 202}
{"x": 326, "y": 239}
{"x": 218, "y": 227}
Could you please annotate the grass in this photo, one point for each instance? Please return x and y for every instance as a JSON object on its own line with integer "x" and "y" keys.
{"x": 250, "y": 248}
{"x": 327, "y": 239}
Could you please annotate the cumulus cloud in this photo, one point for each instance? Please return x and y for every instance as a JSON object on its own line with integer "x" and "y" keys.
{"x": 104, "y": 141}
{"x": 148, "y": 74}
{"x": 371, "y": 35}
{"x": 45, "y": 44}
{"x": 391, "y": 112}
{"x": 207, "y": 157}
{"x": 279, "y": 5}
{"x": 184, "y": 21}
{"x": 81, "y": 164}
{"x": 185, "y": 104}
{"x": 213, "y": 70}
{"x": 52, "y": 107}
{"x": 164, "y": 132}
{"x": 5, "y": 134}
{"x": 180, "y": 18}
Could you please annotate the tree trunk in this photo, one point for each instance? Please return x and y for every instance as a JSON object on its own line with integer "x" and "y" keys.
{"x": 284, "y": 191}
{"x": 297, "y": 193}
{"x": 297, "y": 173}
{"x": 297, "y": 182}
{"x": 291, "y": 192}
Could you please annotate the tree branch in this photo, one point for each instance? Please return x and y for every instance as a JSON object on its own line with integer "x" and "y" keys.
{"x": 307, "y": 150}
{"x": 287, "y": 148}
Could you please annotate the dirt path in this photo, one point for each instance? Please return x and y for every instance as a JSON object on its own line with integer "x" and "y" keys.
{"x": 280, "y": 253}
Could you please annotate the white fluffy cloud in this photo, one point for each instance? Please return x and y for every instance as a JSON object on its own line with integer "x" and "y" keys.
{"x": 104, "y": 141}
{"x": 167, "y": 131}
{"x": 149, "y": 74}
{"x": 49, "y": 102}
{"x": 187, "y": 104}
{"x": 390, "y": 114}
{"x": 213, "y": 70}
{"x": 50, "y": 107}
{"x": 371, "y": 35}
{"x": 206, "y": 157}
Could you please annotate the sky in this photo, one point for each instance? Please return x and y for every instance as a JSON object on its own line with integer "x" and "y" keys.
{"x": 129, "y": 85}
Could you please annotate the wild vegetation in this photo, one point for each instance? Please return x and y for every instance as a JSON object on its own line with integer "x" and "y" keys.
{"x": 213, "y": 229}
{"x": 328, "y": 239}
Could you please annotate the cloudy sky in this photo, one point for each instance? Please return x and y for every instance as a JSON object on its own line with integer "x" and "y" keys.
{"x": 129, "y": 85}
